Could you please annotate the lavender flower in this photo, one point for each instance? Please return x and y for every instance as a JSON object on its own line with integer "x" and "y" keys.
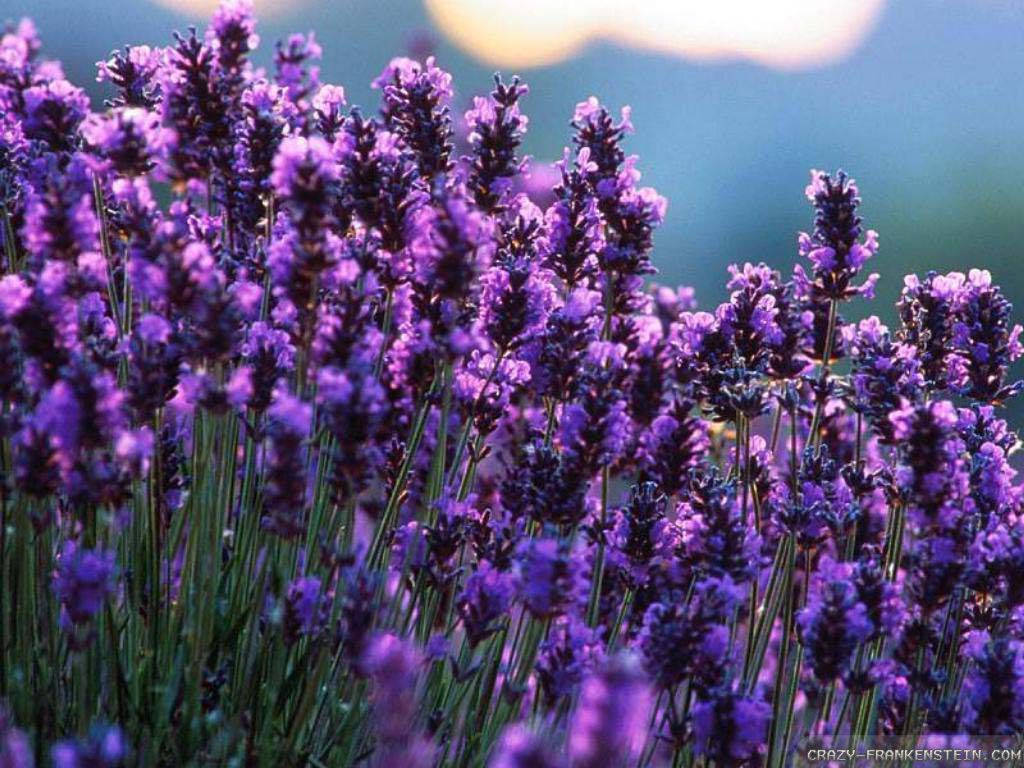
{"x": 496, "y": 127}
{"x": 992, "y": 700}
{"x": 485, "y": 599}
{"x": 834, "y": 248}
{"x": 519, "y": 748}
{"x": 683, "y": 639}
{"x": 833, "y": 623}
{"x": 730, "y": 728}
{"x": 105, "y": 747}
{"x": 134, "y": 72}
{"x": 609, "y": 726}
{"x": 305, "y": 609}
{"x": 983, "y": 334}
{"x": 886, "y": 374}
{"x": 285, "y": 492}
{"x": 568, "y": 654}
{"x": 392, "y": 665}
{"x": 414, "y": 104}
{"x": 53, "y": 111}
{"x": 83, "y": 581}
{"x": 547, "y": 575}
{"x": 15, "y": 751}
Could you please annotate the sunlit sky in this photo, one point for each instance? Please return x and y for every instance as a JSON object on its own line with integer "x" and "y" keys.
{"x": 781, "y": 33}
{"x": 788, "y": 34}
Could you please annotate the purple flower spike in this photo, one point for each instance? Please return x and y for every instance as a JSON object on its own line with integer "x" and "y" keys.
{"x": 15, "y": 750}
{"x": 731, "y": 729}
{"x": 609, "y": 726}
{"x": 105, "y": 747}
{"x": 485, "y": 600}
{"x": 415, "y": 102}
{"x": 518, "y": 747}
{"x": 53, "y": 111}
{"x": 835, "y": 249}
{"x": 306, "y": 610}
{"x": 833, "y": 623}
{"x": 496, "y": 128}
{"x": 83, "y": 581}
{"x": 393, "y": 666}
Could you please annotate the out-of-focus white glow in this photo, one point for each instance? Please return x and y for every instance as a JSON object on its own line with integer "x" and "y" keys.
{"x": 786, "y": 34}
{"x": 205, "y": 8}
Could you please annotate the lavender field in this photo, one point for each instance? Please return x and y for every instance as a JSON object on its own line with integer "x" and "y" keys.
{"x": 345, "y": 436}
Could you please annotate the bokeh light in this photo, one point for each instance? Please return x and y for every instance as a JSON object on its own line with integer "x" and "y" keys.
{"x": 787, "y": 34}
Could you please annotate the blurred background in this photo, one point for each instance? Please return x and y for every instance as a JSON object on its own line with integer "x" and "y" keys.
{"x": 733, "y": 101}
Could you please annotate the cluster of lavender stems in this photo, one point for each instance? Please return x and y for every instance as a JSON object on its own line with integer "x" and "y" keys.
{"x": 337, "y": 437}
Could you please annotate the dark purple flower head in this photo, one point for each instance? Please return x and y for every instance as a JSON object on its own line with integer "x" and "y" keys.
{"x": 823, "y": 501}
{"x": 926, "y": 309}
{"x": 834, "y": 248}
{"x": 547, "y": 576}
{"x": 232, "y": 35}
{"x": 53, "y": 111}
{"x": 834, "y": 622}
{"x": 634, "y": 534}
{"x": 452, "y": 244}
{"x": 284, "y": 496}
{"x": 415, "y": 102}
{"x": 484, "y": 600}
{"x": 306, "y": 609}
{"x": 354, "y": 406}
{"x": 105, "y": 747}
{"x": 304, "y": 170}
{"x": 327, "y": 106}
{"x": 731, "y": 729}
{"x": 673, "y": 446}
{"x": 546, "y": 485}
{"x": 13, "y": 160}
{"x": 886, "y": 374}
{"x": 304, "y": 178}
{"x": 709, "y": 363}
{"x": 294, "y": 69}
{"x": 127, "y": 138}
{"x": 689, "y": 639}
{"x": 393, "y": 667}
{"x": 931, "y": 476}
{"x": 15, "y": 750}
{"x": 881, "y": 597}
{"x": 60, "y": 220}
{"x": 978, "y": 425}
{"x": 519, "y": 747}
{"x": 558, "y": 353}
{"x": 266, "y": 116}
{"x": 517, "y": 295}
{"x": 496, "y": 128}
{"x": 83, "y": 581}
{"x": 609, "y": 726}
{"x": 983, "y": 336}
{"x": 599, "y": 133}
{"x": 134, "y": 72}
{"x": 993, "y": 695}
{"x": 196, "y": 105}
{"x": 569, "y": 653}
{"x": 573, "y": 225}
{"x": 270, "y": 356}
{"x": 595, "y": 424}
{"x": 995, "y": 558}
{"x": 381, "y": 187}
{"x": 709, "y": 532}
{"x": 750, "y": 318}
